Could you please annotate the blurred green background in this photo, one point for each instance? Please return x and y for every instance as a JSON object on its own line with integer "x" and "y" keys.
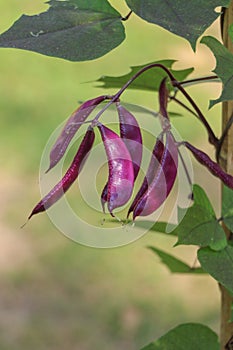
{"x": 57, "y": 294}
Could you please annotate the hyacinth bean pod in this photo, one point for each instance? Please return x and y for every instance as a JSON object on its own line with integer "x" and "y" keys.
{"x": 163, "y": 100}
{"x": 152, "y": 169}
{"x": 104, "y": 196}
{"x": 71, "y": 127}
{"x": 212, "y": 166}
{"x": 121, "y": 172}
{"x": 70, "y": 176}
{"x": 131, "y": 135}
{"x": 162, "y": 183}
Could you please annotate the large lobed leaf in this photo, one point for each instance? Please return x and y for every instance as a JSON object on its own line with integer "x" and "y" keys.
{"x": 219, "y": 264}
{"x": 76, "y": 30}
{"x": 200, "y": 225}
{"x": 223, "y": 67}
{"x": 189, "y": 336}
{"x": 188, "y": 19}
{"x": 149, "y": 80}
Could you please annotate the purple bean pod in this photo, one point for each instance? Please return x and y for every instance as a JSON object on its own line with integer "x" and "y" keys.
{"x": 71, "y": 127}
{"x": 162, "y": 183}
{"x": 70, "y": 176}
{"x": 132, "y": 137}
{"x": 121, "y": 171}
{"x": 104, "y": 196}
{"x": 163, "y": 100}
{"x": 152, "y": 169}
{"x": 212, "y": 166}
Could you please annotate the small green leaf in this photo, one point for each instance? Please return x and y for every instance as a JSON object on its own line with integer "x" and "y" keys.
{"x": 200, "y": 225}
{"x": 175, "y": 265}
{"x": 223, "y": 68}
{"x": 150, "y": 80}
{"x": 76, "y": 30}
{"x": 219, "y": 264}
{"x": 186, "y": 19}
{"x": 189, "y": 336}
{"x": 227, "y": 207}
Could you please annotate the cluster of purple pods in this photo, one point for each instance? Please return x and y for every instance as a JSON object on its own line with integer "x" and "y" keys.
{"x": 124, "y": 155}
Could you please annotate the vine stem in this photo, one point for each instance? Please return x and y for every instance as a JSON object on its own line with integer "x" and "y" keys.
{"x": 207, "y": 79}
{"x": 175, "y": 99}
{"x": 116, "y": 97}
{"x": 225, "y": 159}
{"x": 212, "y": 138}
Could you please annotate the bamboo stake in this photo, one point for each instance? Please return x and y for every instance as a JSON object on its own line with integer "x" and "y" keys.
{"x": 226, "y": 161}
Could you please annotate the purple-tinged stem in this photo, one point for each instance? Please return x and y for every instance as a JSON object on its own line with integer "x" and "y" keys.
{"x": 116, "y": 97}
{"x": 200, "y": 80}
{"x": 212, "y": 138}
{"x": 173, "y": 98}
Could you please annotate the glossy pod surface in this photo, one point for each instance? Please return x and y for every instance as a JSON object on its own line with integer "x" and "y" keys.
{"x": 121, "y": 172}
{"x": 162, "y": 183}
{"x": 152, "y": 169}
{"x": 213, "y": 167}
{"x": 131, "y": 135}
{"x": 71, "y": 127}
{"x": 70, "y": 176}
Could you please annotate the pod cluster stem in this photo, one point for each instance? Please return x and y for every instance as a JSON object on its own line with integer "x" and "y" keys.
{"x": 176, "y": 84}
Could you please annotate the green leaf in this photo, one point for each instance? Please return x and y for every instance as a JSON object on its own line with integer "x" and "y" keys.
{"x": 223, "y": 68}
{"x": 159, "y": 226}
{"x": 227, "y": 207}
{"x": 76, "y": 30}
{"x": 186, "y": 19}
{"x": 219, "y": 264}
{"x": 175, "y": 265}
{"x": 149, "y": 80}
{"x": 200, "y": 225}
{"x": 189, "y": 336}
